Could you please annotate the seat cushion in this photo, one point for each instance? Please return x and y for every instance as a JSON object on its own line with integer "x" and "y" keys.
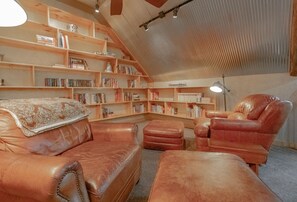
{"x": 106, "y": 166}
{"x": 164, "y": 128}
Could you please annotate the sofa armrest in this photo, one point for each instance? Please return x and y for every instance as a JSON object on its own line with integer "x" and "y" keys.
{"x": 41, "y": 178}
{"x": 218, "y": 114}
{"x": 235, "y": 125}
{"x": 114, "y": 132}
{"x": 201, "y": 128}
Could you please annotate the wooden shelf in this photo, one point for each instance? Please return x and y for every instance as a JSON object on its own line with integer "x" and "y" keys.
{"x": 26, "y": 44}
{"x": 81, "y": 44}
{"x": 85, "y": 38}
{"x": 116, "y": 103}
{"x": 136, "y": 101}
{"x": 91, "y": 55}
{"x": 33, "y": 87}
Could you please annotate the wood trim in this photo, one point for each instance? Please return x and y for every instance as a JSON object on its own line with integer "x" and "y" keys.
{"x": 293, "y": 51}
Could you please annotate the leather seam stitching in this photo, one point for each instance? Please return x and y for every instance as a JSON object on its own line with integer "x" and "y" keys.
{"x": 77, "y": 186}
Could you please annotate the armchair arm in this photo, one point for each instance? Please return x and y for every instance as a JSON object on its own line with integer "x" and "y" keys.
{"x": 201, "y": 128}
{"x": 219, "y": 114}
{"x": 40, "y": 178}
{"x": 113, "y": 132}
{"x": 235, "y": 125}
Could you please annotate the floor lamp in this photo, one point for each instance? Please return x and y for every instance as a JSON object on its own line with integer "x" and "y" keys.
{"x": 218, "y": 87}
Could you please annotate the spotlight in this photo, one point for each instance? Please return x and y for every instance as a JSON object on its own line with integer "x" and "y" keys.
{"x": 145, "y": 27}
{"x": 162, "y": 14}
{"x": 97, "y": 7}
{"x": 175, "y": 11}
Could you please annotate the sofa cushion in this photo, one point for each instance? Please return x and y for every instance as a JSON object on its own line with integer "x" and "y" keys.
{"x": 106, "y": 165}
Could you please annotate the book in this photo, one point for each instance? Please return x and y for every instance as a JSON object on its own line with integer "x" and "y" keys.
{"x": 45, "y": 40}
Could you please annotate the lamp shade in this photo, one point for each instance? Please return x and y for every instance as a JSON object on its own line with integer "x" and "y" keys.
{"x": 216, "y": 87}
{"x": 11, "y": 14}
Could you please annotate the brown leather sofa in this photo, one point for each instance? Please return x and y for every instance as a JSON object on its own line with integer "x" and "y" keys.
{"x": 81, "y": 161}
{"x": 248, "y": 131}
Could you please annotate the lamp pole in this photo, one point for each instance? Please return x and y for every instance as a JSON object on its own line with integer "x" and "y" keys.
{"x": 224, "y": 92}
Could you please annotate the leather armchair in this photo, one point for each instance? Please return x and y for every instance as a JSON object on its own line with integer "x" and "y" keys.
{"x": 248, "y": 131}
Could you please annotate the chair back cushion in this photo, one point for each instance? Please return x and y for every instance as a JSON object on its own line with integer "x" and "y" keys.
{"x": 253, "y": 105}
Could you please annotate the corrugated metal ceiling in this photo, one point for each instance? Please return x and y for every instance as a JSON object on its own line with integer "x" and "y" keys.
{"x": 209, "y": 38}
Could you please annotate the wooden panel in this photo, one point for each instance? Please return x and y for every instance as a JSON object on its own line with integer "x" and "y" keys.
{"x": 293, "y": 53}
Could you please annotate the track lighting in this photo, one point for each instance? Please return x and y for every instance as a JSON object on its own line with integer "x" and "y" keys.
{"x": 162, "y": 14}
{"x": 145, "y": 27}
{"x": 175, "y": 11}
{"x": 97, "y": 7}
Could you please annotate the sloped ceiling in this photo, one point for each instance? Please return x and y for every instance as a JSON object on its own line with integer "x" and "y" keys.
{"x": 209, "y": 38}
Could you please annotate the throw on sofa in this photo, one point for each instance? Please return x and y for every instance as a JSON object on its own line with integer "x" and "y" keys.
{"x": 74, "y": 160}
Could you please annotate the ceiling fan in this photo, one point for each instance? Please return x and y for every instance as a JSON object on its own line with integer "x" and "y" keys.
{"x": 116, "y": 6}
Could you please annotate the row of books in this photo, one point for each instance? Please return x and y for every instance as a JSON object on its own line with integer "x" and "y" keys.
{"x": 87, "y": 98}
{"x": 77, "y": 63}
{"x": 62, "y": 82}
{"x": 110, "y": 82}
{"x": 193, "y": 97}
{"x": 45, "y": 40}
{"x": 127, "y": 69}
{"x": 63, "y": 41}
{"x": 129, "y": 96}
{"x": 195, "y": 111}
{"x": 55, "y": 82}
{"x": 154, "y": 95}
{"x": 132, "y": 83}
{"x": 107, "y": 112}
{"x": 189, "y": 97}
{"x": 172, "y": 110}
{"x": 156, "y": 108}
{"x": 138, "y": 108}
{"x": 80, "y": 83}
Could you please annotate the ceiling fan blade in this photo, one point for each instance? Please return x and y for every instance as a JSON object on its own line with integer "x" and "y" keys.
{"x": 157, "y": 3}
{"x": 116, "y": 7}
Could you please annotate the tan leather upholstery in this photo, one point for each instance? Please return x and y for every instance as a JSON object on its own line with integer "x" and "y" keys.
{"x": 26, "y": 177}
{"x": 247, "y": 131}
{"x": 163, "y": 135}
{"x": 101, "y": 159}
{"x": 210, "y": 177}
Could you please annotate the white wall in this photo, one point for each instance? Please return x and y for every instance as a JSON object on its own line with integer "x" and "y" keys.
{"x": 280, "y": 84}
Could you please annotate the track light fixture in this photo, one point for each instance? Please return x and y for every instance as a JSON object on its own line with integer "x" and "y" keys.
{"x": 162, "y": 14}
{"x": 175, "y": 11}
{"x": 145, "y": 27}
{"x": 97, "y": 7}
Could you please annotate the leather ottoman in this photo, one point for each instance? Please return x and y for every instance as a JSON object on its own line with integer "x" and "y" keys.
{"x": 207, "y": 176}
{"x": 164, "y": 135}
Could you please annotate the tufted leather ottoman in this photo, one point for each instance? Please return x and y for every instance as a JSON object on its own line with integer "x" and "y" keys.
{"x": 164, "y": 135}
